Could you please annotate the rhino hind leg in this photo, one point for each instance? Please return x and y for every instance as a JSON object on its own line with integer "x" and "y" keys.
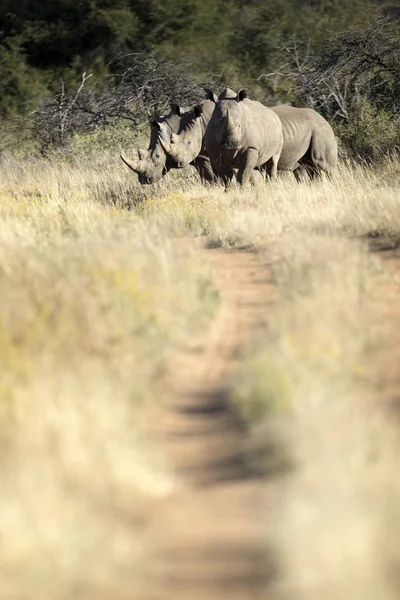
{"x": 320, "y": 157}
{"x": 270, "y": 168}
{"x": 301, "y": 174}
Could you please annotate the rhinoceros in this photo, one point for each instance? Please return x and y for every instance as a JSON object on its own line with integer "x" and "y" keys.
{"x": 154, "y": 163}
{"x": 308, "y": 140}
{"x": 242, "y": 134}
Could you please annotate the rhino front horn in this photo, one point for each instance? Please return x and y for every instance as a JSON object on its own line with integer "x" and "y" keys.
{"x": 134, "y": 164}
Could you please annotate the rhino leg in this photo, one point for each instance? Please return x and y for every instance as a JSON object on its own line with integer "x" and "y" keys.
{"x": 205, "y": 170}
{"x": 319, "y": 158}
{"x": 271, "y": 166}
{"x": 248, "y": 162}
{"x": 224, "y": 173}
{"x": 301, "y": 174}
{"x": 286, "y": 174}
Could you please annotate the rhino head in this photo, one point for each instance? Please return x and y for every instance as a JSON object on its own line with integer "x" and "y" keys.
{"x": 152, "y": 164}
{"x": 227, "y": 118}
{"x": 184, "y": 147}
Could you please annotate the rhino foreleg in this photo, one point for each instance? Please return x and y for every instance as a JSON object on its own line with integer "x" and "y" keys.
{"x": 248, "y": 163}
{"x": 205, "y": 170}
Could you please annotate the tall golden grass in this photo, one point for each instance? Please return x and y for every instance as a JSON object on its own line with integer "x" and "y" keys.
{"x": 92, "y": 302}
{"x": 310, "y": 387}
{"x": 95, "y": 295}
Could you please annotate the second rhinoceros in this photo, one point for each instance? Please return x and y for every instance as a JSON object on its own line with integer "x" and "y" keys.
{"x": 242, "y": 134}
{"x": 152, "y": 164}
{"x": 308, "y": 140}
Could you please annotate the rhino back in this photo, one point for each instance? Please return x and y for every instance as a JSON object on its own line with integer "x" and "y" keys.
{"x": 306, "y": 131}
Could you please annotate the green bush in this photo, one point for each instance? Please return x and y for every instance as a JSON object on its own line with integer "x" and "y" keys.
{"x": 112, "y": 138}
{"x": 375, "y": 135}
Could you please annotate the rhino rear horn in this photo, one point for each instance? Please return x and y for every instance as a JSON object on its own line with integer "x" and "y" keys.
{"x": 210, "y": 95}
{"x": 230, "y": 127}
{"x": 143, "y": 154}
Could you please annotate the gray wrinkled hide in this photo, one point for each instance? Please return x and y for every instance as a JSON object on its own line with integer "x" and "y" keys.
{"x": 308, "y": 139}
{"x": 243, "y": 134}
{"x": 190, "y": 142}
{"x": 155, "y": 162}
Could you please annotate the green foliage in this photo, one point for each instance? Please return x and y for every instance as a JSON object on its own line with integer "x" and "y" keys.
{"x": 18, "y": 83}
{"x": 112, "y": 138}
{"x": 371, "y": 138}
{"x": 233, "y": 42}
{"x": 354, "y": 81}
{"x": 232, "y": 36}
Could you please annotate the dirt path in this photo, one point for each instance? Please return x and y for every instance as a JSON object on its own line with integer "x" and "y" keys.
{"x": 210, "y": 535}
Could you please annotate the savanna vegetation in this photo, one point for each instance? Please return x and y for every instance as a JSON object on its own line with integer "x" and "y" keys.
{"x": 69, "y": 69}
{"x": 97, "y": 298}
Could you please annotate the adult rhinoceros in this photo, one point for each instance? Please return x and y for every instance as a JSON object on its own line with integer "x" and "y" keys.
{"x": 242, "y": 134}
{"x": 308, "y": 140}
{"x": 154, "y": 163}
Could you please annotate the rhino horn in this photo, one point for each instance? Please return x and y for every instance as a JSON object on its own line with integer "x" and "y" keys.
{"x": 143, "y": 154}
{"x": 167, "y": 147}
{"x": 134, "y": 164}
{"x": 230, "y": 128}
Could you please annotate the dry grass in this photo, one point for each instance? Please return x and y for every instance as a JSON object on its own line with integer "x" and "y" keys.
{"x": 92, "y": 301}
{"x": 309, "y": 388}
{"x": 94, "y": 297}
{"x": 310, "y": 392}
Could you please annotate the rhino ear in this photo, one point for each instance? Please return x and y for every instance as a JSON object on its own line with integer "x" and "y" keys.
{"x": 197, "y": 110}
{"x": 176, "y": 109}
{"x": 241, "y": 95}
{"x": 210, "y": 95}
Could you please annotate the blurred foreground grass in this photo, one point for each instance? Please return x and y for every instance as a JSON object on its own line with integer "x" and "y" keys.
{"x": 97, "y": 292}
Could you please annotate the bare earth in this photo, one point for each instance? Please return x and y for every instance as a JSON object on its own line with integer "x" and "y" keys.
{"x": 210, "y": 535}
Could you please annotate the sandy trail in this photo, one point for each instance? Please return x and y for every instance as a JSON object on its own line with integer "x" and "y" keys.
{"x": 210, "y": 536}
